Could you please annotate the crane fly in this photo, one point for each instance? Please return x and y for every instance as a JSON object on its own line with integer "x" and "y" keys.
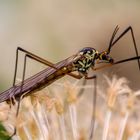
{"x": 81, "y": 62}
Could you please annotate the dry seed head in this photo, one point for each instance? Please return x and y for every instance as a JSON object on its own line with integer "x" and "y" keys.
{"x": 59, "y": 108}
{"x": 50, "y": 102}
{"x": 20, "y": 120}
{"x": 4, "y": 110}
{"x": 71, "y": 93}
{"x": 131, "y": 101}
{"x": 112, "y": 95}
{"x": 116, "y": 87}
{"x": 39, "y": 96}
{"x": 26, "y": 104}
{"x": 128, "y": 105}
{"x": 33, "y": 128}
{"x": 34, "y": 99}
{"x": 71, "y": 98}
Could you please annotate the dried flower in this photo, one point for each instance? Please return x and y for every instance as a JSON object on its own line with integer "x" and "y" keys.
{"x": 44, "y": 116}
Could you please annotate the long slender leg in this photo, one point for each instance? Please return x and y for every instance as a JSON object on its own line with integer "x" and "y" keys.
{"x": 20, "y": 98}
{"x": 91, "y": 134}
{"x": 36, "y": 58}
{"x": 22, "y": 83}
{"x": 117, "y": 62}
{"x": 30, "y": 55}
{"x": 81, "y": 91}
{"x": 94, "y": 77}
{"x": 11, "y": 99}
{"x": 112, "y": 43}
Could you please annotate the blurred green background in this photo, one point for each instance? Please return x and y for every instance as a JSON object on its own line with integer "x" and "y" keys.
{"x": 56, "y": 29}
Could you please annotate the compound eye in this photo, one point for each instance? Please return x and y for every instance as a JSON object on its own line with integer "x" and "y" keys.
{"x": 104, "y": 57}
{"x": 89, "y": 52}
{"x": 84, "y": 52}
